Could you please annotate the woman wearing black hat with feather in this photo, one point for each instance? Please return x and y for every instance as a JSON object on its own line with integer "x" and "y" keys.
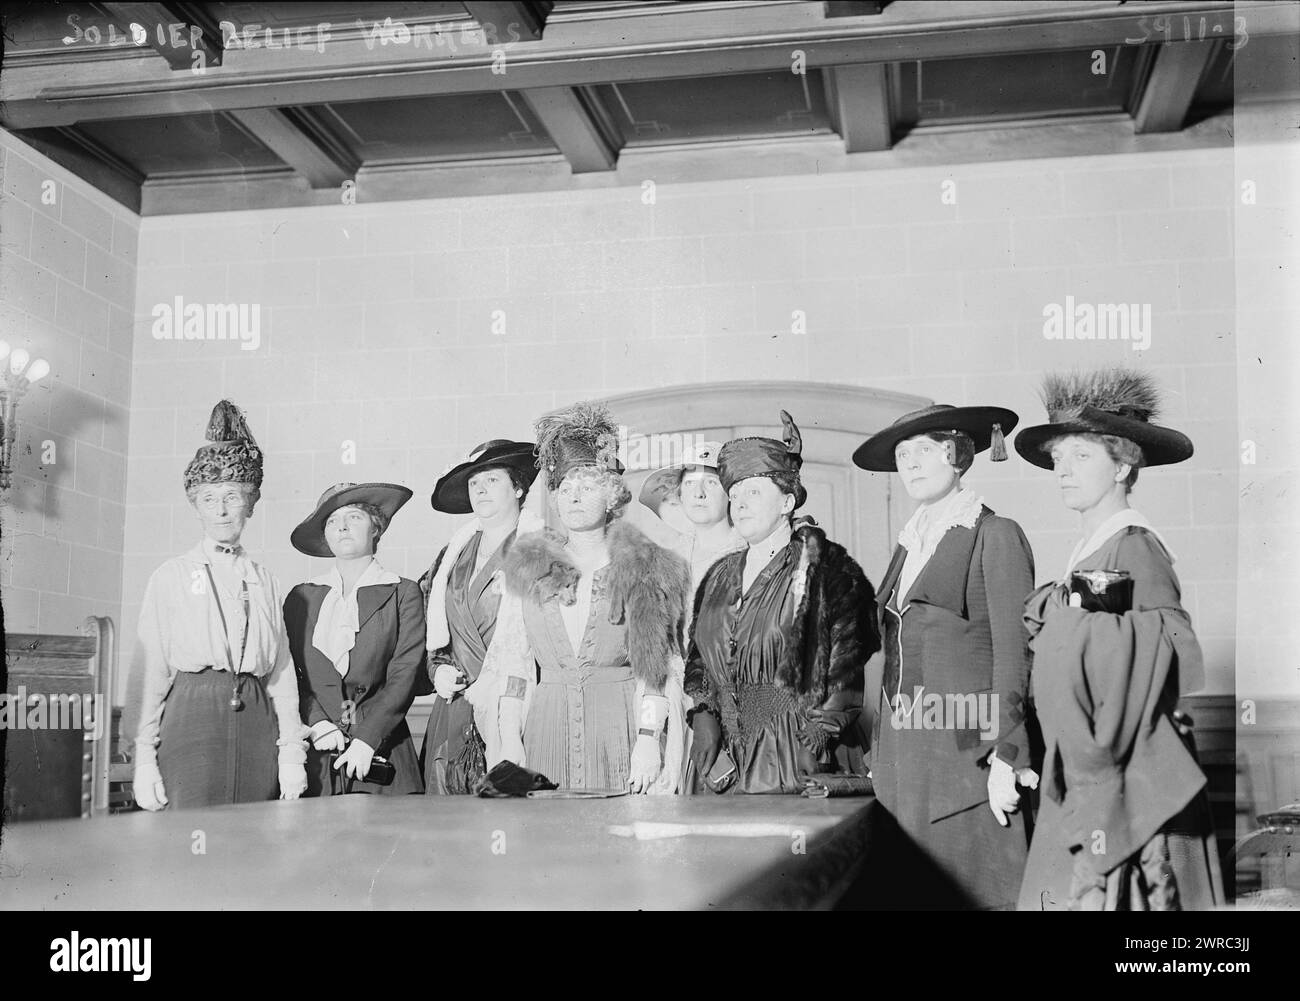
{"x": 949, "y": 741}
{"x": 462, "y": 595}
{"x": 781, "y": 632}
{"x": 357, "y": 636}
{"x": 1124, "y": 822}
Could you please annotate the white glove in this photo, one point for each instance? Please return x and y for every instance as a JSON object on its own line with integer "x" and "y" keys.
{"x": 446, "y": 681}
{"x": 147, "y": 783}
{"x": 512, "y": 748}
{"x": 325, "y": 736}
{"x": 355, "y": 761}
{"x": 646, "y": 762}
{"x": 293, "y": 770}
{"x": 1003, "y": 797}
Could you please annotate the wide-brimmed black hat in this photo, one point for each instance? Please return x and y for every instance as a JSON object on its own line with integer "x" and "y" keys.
{"x": 985, "y": 426}
{"x": 451, "y": 493}
{"x": 1116, "y": 401}
{"x": 309, "y": 537}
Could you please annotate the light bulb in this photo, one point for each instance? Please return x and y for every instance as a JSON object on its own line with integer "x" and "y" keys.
{"x": 18, "y": 361}
{"x": 4, "y": 350}
{"x": 39, "y": 370}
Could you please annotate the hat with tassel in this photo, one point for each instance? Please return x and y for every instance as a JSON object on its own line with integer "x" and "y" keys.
{"x": 986, "y": 427}
{"x": 745, "y": 457}
{"x": 230, "y": 456}
{"x": 583, "y": 434}
{"x": 1117, "y": 401}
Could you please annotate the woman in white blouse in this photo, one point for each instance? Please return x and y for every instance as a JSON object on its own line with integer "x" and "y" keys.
{"x": 356, "y": 633}
{"x": 219, "y": 713}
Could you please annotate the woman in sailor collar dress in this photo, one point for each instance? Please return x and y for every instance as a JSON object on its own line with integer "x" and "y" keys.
{"x": 357, "y": 637}
{"x": 462, "y": 592}
{"x": 219, "y": 718}
{"x": 781, "y": 633}
{"x": 1124, "y": 822}
{"x": 949, "y": 743}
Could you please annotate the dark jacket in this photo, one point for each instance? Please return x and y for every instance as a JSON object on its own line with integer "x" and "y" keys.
{"x": 959, "y": 632}
{"x": 382, "y": 668}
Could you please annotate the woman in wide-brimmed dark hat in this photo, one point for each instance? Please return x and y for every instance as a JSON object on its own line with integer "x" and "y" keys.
{"x": 783, "y": 629}
{"x": 462, "y": 595}
{"x": 357, "y": 637}
{"x": 1124, "y": 822}
{"x": 950, "y": 610}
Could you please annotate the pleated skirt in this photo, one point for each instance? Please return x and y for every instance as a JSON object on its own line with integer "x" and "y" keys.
{"x": 579, "y": 733}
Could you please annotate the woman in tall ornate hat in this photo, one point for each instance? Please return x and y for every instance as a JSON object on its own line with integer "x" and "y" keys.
{"x": 462, "y": 595}
{"x": 949, "y": 742}
{"x": 219, "y": 718}
{"x": 357, "y": 636}
{"x": 580, "y": 681}
{"x": 781, "y": 633}
{"x": 692, "y": 486}
{"x": 1124, "y": 821}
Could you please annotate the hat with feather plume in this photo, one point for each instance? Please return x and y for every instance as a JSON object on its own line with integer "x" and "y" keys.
{"x": 741, "y": 458}
{"x": 583, "y": 434}
{"x": 231, "y": 455}
{"x": 1116, "y": 401}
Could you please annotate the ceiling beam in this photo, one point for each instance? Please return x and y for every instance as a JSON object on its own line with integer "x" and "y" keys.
{"x": 95, "y": 165}
{"x": 520, "y": 21}
{"x": 1171, "y": 86}
{"x": 858, "y": 100}
{"x": 301, "y": 143}
{"x": 175, "y": 30}
{"x": 578, "y": 124}
{"x": 671, "y": 42}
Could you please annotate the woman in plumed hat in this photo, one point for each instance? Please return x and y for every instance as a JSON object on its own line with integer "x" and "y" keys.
{"x": 462, "y": 595}
{"x": 1124, "y": 821}
{"x": 357, "y": 637}
{"x": 219, "y": 718}
{"x": 581, "y": 680}
{"x": 949, "y": 742}
{"x": 781, "y": 633}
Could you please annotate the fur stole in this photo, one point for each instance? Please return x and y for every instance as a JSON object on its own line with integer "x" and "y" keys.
{"x": 648, "y": 587}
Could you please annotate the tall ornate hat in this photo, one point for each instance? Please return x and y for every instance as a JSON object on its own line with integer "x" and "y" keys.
{"x": 1117, "y": 401}
{"x": 985, "y": 426}
{"x": 231, "y": 455}
{"x": 583, "y": 434}
{"x": 742, "y": 458}
{"x": 309, "y": 537}
{"x": 451, "y": 493}
{"x": 662, "y": 483}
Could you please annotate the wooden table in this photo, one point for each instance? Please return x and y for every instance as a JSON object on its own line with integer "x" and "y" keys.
{"x": 444, "y": 852}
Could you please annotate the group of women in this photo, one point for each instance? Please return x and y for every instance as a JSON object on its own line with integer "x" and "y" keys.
{"x": 707, "y": 639}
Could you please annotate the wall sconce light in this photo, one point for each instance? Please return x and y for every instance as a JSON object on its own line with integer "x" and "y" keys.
{"x": 18, "y": 377}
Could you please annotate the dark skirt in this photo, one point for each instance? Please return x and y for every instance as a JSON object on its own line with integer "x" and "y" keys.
{"x": 323, "y": 780}
{"x": 451, "y": 758}
{"x": 970, "y": 860}
{"x": 208, "y": 752}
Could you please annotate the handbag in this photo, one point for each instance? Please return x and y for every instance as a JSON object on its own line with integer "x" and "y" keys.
{"x": 469, "y": 764}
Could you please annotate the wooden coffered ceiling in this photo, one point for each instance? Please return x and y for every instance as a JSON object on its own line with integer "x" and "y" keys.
{"x": 177, "y": 107}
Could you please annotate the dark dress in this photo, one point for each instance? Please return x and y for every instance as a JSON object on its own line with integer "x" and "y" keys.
{"x": 803, "y": 631}
{"x": 472, "y": 602}
{"x": 957, "y": 634}
{"x": 1124, "y": 821}
{"x": 380, "y": 684}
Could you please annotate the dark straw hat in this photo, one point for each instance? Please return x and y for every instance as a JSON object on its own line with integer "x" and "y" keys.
{"x": 451, "y": 493}
{"x": 985, "y": 426}
{"x": 743, "y": 458}
{"x": 1116, "y": 401}
{"x": 309, "y": 537}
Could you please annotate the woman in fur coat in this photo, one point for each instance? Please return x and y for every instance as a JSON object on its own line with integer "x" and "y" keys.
{"x": 582, "y": 680}
{"x": 782, "y": 630}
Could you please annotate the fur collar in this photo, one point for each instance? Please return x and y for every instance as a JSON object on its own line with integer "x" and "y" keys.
{"x": 648, "y": 590}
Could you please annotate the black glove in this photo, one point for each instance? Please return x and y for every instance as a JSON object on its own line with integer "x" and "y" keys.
{"x": 707, "y": 742}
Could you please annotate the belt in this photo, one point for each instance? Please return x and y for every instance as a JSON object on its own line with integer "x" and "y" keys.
{"x": 579, "y": 677}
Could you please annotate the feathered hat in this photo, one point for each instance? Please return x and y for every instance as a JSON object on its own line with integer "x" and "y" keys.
{"x": 231, "y": 455}
{"x": 583, "y": 434}
{"x": 745, "y": 457}
{"x": 1116, "y": 401}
